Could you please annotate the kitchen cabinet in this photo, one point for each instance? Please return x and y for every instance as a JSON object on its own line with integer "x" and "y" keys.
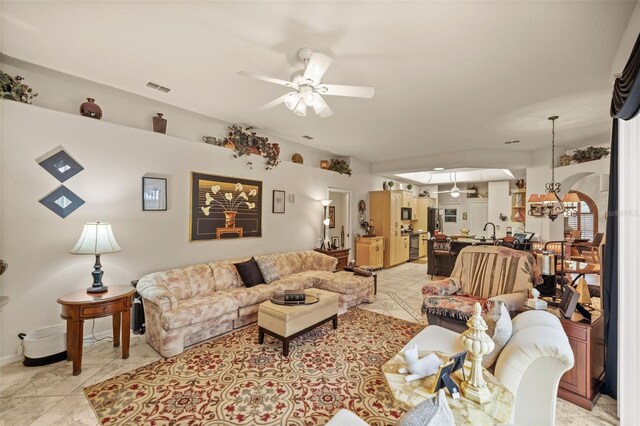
{"x": 422, "y": 248}
{"x": 385, "y": 213}
{"x": 370, "y": 252}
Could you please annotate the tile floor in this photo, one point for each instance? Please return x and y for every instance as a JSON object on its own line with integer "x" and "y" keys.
{"x": 50, "y": 395}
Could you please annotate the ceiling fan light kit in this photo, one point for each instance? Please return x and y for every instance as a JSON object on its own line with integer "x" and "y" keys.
{"x": 455, "y": 191}
{"x": 308, "y": 86}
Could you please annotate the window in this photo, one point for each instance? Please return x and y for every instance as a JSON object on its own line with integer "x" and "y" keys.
{"x": 586, "y": 221}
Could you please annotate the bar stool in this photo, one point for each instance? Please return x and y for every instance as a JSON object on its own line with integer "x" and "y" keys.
{"x": 442, "y": 248}
{"x": 508, "y": 241}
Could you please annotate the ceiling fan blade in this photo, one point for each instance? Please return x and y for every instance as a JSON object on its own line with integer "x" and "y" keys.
{"x": 342, "y": 90}
{"x": 316, "y": 67}
{"x": 440, "y": 192}
{"x": 268, "y": 79}
{"x": 275, "y": 102}
{"x": 321, "y": 107}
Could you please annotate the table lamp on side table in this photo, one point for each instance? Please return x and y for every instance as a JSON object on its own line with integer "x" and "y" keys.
{"x": 97, "y": 238}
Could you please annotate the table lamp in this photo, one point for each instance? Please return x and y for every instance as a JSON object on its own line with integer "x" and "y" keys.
{"x": 97, "y": 238}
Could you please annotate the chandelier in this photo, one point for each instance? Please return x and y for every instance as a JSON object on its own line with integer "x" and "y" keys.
{"x": 550, "y": 204}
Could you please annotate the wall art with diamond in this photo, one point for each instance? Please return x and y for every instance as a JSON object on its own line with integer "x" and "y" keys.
{"x": 225, "y": 207}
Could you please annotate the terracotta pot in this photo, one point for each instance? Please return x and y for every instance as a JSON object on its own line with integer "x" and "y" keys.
{"x": 297, "y": 158}
{"x": 230, "y": 219}
{"x": 91, "y": 109}
{"x": 159, "y": 124}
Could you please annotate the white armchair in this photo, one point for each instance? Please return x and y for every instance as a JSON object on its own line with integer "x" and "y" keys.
{"x": 530, "y": 365}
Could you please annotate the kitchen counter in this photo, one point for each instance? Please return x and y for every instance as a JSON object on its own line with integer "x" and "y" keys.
{"x": 446, "y": 263}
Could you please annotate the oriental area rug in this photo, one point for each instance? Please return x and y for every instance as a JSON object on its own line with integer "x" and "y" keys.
{"x": 233, "y": 380}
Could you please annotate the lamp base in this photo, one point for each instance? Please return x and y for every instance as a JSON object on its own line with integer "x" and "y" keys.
{"x": 97, "y": 289}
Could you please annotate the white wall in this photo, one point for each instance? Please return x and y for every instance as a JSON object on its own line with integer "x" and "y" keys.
{"x": 36, "y": 242}
{"x": 628, "y": 271}
{"x": 63, "y": 92}
{"x": 500, "y": 203}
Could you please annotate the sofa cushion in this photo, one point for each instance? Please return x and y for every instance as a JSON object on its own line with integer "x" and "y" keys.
{"x": 315, "y": 261}
{"x": 225, "y": 274}
{"x": 454, "y": 306}
{"x": 294, "y": 262}
{"x": 185, "y": 283}
{"x": 341, "y": 282}
{"x": 249, "y": 272}
{"x": 261, "y": 292}
{"x": 198, "y": 309}
{"x": 268, "y": 269}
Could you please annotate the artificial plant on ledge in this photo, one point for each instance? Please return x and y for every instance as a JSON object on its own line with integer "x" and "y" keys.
{"x": 14, "y": 89}
{"x": 340, "y": 166}
{"x": 245, "y": 141}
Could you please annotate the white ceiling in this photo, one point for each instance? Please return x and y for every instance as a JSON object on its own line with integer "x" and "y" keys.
{"x": 449, "y": 76}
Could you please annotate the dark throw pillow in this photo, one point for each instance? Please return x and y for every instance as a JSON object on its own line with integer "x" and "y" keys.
{"x": 249, "y": 272}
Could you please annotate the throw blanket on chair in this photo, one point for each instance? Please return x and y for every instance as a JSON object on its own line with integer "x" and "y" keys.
{"x": 480, "y": 273}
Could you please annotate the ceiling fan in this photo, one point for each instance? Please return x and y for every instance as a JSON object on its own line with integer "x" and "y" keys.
{"x": 455, "y": 191}
{"x": 308, "y": 87}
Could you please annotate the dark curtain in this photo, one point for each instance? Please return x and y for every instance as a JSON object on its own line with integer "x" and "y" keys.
{"x": 625, "y": 105}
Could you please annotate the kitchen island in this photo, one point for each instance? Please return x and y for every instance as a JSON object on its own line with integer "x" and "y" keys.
{"x": 446, "y": 263}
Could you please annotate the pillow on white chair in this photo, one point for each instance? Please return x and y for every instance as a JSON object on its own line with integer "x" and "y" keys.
{"x": 432, "y": 412}
{"x": 499, "y": 329}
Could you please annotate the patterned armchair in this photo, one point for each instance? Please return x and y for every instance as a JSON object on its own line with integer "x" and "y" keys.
{"x": 481, "y": 274}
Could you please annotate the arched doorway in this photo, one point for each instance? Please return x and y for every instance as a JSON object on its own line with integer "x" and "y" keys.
{"x": 583, "y": 222}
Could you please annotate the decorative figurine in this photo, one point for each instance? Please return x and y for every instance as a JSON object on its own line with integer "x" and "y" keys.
{"x": 536, "y": 303}
{"x": 419, "y": 367}
{"x": 477, "y": 343}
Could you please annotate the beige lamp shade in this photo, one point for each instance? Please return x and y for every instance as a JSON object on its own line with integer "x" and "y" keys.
{"x": 96, "y": 238}
{"x": 534, "y": 198}
{"x": 325, "y": 203}
{"x": 549, "y": 197}
{"x": 570, "y": 197}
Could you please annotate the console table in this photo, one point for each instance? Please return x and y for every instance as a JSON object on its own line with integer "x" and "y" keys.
{"x": 581, "y": 385}
{"x": 341, "y": 254}
{"x": 79, "y": 306}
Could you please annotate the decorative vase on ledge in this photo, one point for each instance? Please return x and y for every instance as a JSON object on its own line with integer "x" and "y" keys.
{"x": 91, "y": 109}
{"x": 159, "y": 123}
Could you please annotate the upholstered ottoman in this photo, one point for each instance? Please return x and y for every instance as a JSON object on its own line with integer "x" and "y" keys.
{"x": 288, "y": 322}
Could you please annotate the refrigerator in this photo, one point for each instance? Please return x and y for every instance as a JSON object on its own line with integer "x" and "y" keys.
{"x": 434, "y": 221}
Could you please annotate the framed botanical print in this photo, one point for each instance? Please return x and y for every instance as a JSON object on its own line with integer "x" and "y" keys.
{"x": 225, "y": 207}
{"x": 278, "y": 201}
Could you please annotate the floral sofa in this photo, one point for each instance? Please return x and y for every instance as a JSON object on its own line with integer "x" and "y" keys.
{"x": 482, "y": 274}
{"x": 192, "y": 304}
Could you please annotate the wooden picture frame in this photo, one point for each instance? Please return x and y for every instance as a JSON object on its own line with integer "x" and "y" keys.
{"x": 279, "y": 201}
{"x": 154, "y": 194}
{"x": 335, "y": 242}
{"x": 332, "y": 216}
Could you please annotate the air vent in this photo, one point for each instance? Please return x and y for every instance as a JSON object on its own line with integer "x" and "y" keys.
{"x": 158, "y": 87}
{"x": 511, "y": 142}
{"x": 307, "y": 137}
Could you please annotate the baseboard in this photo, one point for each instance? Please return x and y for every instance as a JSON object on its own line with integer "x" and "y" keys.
{"x": 8, "y": 359}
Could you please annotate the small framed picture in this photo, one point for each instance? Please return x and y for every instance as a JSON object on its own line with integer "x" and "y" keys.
{"x": 332, "y": 216}
{"x": 335, "y": 242}
{"x": 279, "y": 199}
{"x": 154, "y": 194}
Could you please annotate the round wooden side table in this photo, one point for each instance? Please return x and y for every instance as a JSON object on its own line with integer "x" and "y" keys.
{"x": 79, "y": 306}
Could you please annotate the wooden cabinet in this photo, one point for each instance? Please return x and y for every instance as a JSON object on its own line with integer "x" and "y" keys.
{"x": 385, "y": 212}
{"x": 370, "y": 252}
{"x": 342, "y": 255}
{"x": 581, "y": 385}
{"x": 422, "y": 248}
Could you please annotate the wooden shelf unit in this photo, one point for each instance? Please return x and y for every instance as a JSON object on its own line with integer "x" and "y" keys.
{"x": 518, "y": 204}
